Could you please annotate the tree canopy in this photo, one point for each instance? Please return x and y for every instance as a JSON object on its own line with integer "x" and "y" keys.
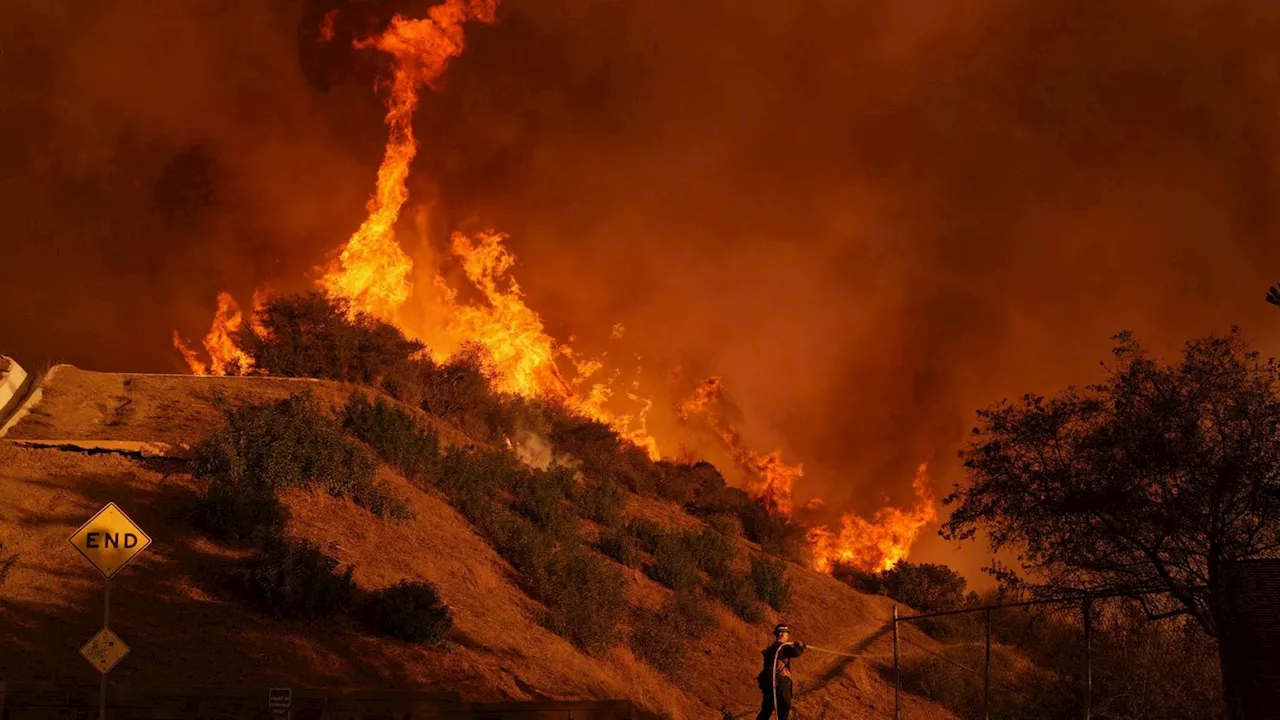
{"x": 1154, "y": 479}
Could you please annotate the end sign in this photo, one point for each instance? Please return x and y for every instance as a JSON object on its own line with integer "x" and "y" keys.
{"x": 110, "y": 540}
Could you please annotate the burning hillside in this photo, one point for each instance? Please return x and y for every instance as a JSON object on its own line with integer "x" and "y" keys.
{"x": 374, "y": 275}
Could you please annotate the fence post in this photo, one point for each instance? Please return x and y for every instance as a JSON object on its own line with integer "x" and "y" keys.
{"x": 897, "y": 679}
{"x": 1088, "y": 660}
{"x": 986, "y": 673}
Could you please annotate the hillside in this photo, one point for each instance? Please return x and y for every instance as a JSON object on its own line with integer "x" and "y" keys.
{"x": 88, "y": 438}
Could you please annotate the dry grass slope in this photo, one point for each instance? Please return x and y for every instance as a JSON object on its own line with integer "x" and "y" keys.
{"x": 171, "y": 607}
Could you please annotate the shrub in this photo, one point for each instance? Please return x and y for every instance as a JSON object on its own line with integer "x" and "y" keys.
{"x": 771, "y": 581}
{"x": 673, "y": 565}
{"x": 475, "y": 477}
{"x": 541, "y": 500}
{"x": 394, "y": 435}
{"x": 927, "y": 587}
{"x": 525, "y": 546}
{"x": 240, "y": 511}
{"x": 713, "y": 552}
{"x": 605, "y": 456}
{"x": 694, "y": 614}
{"x": 586, "y": 599}
{"x": 600, "y": 502}
{"x": 664, "y": 637}
{"x": 776, "y": 533}
{"x": 738, "y": 594}
{"x": 646, "y": 532}
{"x": 410, "y": 611}
{"x": 318, "y": 336}
{"x": 289, "y": 443}
{"x": 727, "y": 525}
{"x": 294, "y": 579}
{"x": 283, "y": 444}
{"x": 378, "y": 498}
{"x": 617, "y": 544}
{"x": 461, "y": 390}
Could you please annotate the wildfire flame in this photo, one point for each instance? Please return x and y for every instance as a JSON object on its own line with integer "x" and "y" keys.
{"x": 768, "y": 476}
{"x": 375, "y": 276}
{"x": 373, "y": 272}
{"x": 225, "y": 357}
{"x": 879, "y": 543}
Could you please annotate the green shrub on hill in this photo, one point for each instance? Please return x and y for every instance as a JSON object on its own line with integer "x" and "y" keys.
{"x": 266, "y": 448}
{"x": 673, "y": 565}
{"x": 600, "y": 502}
{"x": 409, "y": 611}
{"x": 738, "y": 594}
{"x": 396, "y": 436}
{"x": 240, "y": 511}
{"x": 664, "y": 637}
{"x": 586, "y": 599}
{"x": 317, "y": 336}
{"x": 619, "y": 545}
{"x": 646, "y": 532}
{"x": 293, "y": 579}
{"x": 771, "y": 582}
{"x": 714, "y": 553}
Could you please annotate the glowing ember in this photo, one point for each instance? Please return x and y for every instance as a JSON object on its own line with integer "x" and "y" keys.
{"x": 879, "y": 543}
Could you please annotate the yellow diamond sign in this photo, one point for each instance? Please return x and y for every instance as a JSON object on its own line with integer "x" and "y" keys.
{"x": 104, "y": 651}
{"x": 110, "y": 540}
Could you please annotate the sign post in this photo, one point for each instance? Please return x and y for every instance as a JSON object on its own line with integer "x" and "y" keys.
{"x": 109, "y": 541}
{"x": 279, "y": 701}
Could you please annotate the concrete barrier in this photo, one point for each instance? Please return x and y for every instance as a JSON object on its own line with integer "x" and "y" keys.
{"x": 13, "y": 386}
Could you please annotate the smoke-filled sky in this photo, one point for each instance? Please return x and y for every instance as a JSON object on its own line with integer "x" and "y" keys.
{"x": 871, "y": 217}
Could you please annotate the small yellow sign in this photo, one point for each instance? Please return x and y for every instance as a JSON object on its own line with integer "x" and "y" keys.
{"x": 110, "y": 540}
{"x": 104, "y": 651}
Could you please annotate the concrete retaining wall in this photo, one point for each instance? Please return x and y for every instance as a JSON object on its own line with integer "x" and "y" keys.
{"x": 13, "y": 386}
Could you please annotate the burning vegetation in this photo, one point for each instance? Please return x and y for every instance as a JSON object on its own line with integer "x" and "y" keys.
{"x": 498, "y": 340}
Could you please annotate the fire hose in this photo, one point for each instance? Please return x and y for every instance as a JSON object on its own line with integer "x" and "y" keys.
{"x": 815, "y": 648}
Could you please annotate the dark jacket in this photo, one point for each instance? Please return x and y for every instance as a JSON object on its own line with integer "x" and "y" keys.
{"x": 784, "y": 654}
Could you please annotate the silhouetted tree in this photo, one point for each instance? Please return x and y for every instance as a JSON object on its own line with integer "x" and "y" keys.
{"x": 1157, "y": 478}
{"x": 1273, "y": 295}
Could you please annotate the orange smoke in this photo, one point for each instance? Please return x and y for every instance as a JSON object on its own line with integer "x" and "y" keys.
{"x": 767, "y": 476}
{"x": 225, "y": 358}
{"x": 879, "y": 543}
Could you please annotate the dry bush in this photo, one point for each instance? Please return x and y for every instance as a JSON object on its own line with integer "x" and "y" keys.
{"x": 409, "y": 611}
{"x": 739, "y": 595}
{"x": 664, "y": 637}
{"x": 396, "y": 436}
{"x": 600, "y": 502}
{"x": 713, "y": 553}
{"x": 771, "y": 582}
{"x": 619, "y": 545}
{"x": 673, "y": 565}
{"x": 294, "y": 579}
{"x": 586, "y": 599}
{"x": 317, "y": 336}
{"x": 289, "y": 443}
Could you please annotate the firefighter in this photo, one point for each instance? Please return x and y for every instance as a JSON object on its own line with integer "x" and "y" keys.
{"x": 775, "y": 677}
